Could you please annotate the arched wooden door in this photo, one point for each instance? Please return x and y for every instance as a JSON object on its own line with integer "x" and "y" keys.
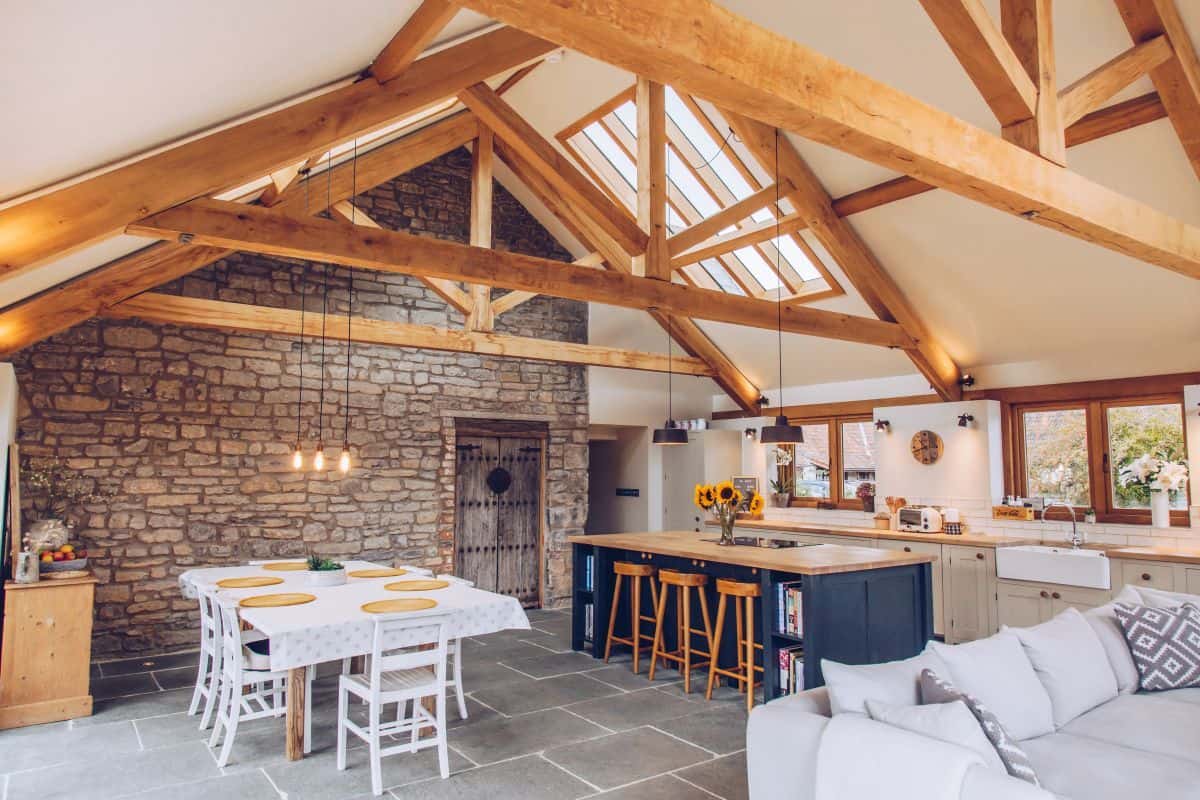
{"x": 497, "y": 523}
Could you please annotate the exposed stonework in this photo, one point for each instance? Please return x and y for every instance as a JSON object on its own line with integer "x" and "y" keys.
{"x": 193, "y": 428}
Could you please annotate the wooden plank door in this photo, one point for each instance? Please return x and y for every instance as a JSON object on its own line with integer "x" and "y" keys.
{"x": 518, "y": 520}
{"x": 475, "y": 539}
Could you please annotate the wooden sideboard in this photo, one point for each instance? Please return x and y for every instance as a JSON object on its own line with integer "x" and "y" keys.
{"x": 46, "y": 651}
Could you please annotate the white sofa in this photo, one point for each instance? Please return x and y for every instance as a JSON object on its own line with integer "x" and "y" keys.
{"x": 1133, "y": 745}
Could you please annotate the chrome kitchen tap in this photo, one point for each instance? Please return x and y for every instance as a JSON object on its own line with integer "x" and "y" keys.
{"x": 1076, "y": 539}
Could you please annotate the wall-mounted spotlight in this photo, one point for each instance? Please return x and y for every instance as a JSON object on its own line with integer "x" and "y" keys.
{"x": 965, "y": 420}
{"x": 751, "y": 434}
{"x": 882, "y": 425}
{"x": 967, "y": 380}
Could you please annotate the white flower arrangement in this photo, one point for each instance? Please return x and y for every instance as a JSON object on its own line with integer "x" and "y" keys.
{"x": 1154, "y": 474}
{"x": 782, "y": 457}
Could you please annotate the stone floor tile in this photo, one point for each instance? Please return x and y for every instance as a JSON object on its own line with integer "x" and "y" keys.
{"x": 130, "y": 666}
{"x": 317, "y": 776}
{"x": 535, "y": 695}
{"x": 241, "y": 786}
{"x": 503, "y": 738}
{"x": 548, "y": 665}
{"x": 121, "y": 685}
{"x": 616, "y": 760}
{"x": 136, "y": 707}
{"x": 623, "y": 677}
{"x": 117, "y": 775}
{"x": 724, "y": 777}
{"x": 46, "y": 745}
{"x": 479, "y": 673}
{"x": 721, "y": 729}
{"x": 175, "y": 678}
{"x": 664, "y": 787}
{"x": 529, "y": 778}
{"x": 634, "y": 709}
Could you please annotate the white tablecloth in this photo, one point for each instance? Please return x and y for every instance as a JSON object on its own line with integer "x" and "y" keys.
{"x": 334, "y": 626}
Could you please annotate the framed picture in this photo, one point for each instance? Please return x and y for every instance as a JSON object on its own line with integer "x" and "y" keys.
{"x": 746, "y": 484}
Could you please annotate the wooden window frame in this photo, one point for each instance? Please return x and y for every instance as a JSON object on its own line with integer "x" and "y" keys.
{"x": 835, "y": 500}
{"x": 1099, "y": 482}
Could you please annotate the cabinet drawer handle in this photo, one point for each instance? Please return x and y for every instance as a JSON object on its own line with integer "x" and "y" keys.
{"x": 1045, "y": 593}
{"x": 908, "y": 549}
{"x": 979, "y": 556}
{"x": 1056, "y": 595}
{"x": 1145, "y": 576}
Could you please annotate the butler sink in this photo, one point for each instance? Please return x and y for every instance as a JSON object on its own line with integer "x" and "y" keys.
{"x": 1054, "y": 565}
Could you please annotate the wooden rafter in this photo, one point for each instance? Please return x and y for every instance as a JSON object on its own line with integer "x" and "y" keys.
{"x": 281, "y": 179}
{"x": 652, "y": 180}
{"x": 750, "y": 234}
{"x": 53, "y": 224}
{"x": 704, "y": 49}
{"x": 258, "y": 230}
{"x": 77, "y": 300}
{"x": 1177, "y": 79}
{"x": 1028, "y": 25}
{"x": 449, "y": 291}
{"x": 729, "y": 216}
{"x": 856, "y": 259}
{"x": 481, "y": 319}
{"x": 411, "y": 40}
{"x": 193, "y": 312}
{"x": 1092, "y": 90}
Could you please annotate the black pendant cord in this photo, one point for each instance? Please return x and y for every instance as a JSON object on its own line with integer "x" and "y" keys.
{"x": 779, "y": 286}
{"x": 350, "y": 298}
{"x": 670, "y": 375}
{"x": 303, "y": 304}
{"x": 324, "y": 315}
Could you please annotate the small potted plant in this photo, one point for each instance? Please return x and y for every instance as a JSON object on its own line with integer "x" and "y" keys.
{"x": 1089, "y": 516}
{"x": 780, "y": 496}
{"x": 325, "y": 572}
{"x": 866, "y": 493}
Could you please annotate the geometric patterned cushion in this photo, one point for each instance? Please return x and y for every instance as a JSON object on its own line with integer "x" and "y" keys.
{"x": 936, "y": 690}
{"x": 1165, "y": 643}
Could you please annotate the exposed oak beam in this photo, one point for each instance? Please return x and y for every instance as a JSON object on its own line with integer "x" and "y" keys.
{"x": 1028, "y": 25}
{"x": 481, "y": 319}
{"x": 866, "y": 273}
{"x": 193, "y": 312}
{"x": 651, "y": 102}
{"x": 281, "y": 179}
{"x": 554, "y": 166}
{"x": 412, "y": 39}
{"x": 60, "y": 221}
{"x": 81, "y": 298}
{"x": 449, "y": 291}
{"x": 258, "y": 230}
{"x": 731, "y": 215}
{"x": 1177, "y": 79}
{"x": 1092, "y": 90}
{"x": 703, "y": 49}
{"x": 986, "y": 56}
{"x": 749, "y": 235}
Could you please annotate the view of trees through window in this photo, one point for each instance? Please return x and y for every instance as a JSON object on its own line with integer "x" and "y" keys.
{"x": 811, "y": 466}
{"x": 858, "y": 455}
{"x": 1134, "y": 431}
{"x": 1056, "y": 455}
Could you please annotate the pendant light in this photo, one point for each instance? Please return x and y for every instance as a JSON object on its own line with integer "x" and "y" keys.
{"x": 344, "y": 458}
{"x": 298, "y": 454}
{"x": 319, "y": 456}
{"x": 782, "y": 432}
{"x": 670, "y": 434}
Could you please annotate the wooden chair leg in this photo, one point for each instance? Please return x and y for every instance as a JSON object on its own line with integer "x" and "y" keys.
{"x": 708, "y": 632}
{"x": 658, "y": 623}
{"x": 612, "y": 618}
{"x": 750, "y": 654}
{"x": 741, "y": 634}
{"x": 712, "y": 666}
{"x": 687, "y": 639}
{"x": 636, "y": 621}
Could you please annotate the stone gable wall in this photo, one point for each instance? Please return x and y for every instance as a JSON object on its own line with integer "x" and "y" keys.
{"x": 193, "y": 428}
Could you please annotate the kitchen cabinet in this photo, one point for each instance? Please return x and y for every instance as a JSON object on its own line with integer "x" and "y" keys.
{"x": 1148, "y": 573}
{"x": 969, "y": 582}
{"x": 1022, "y": 604}
{"x": 1191, "y": 580}
{"x": 932, "y": 549}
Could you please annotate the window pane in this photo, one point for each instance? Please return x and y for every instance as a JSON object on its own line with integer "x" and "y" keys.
{"x": 812, "y": 462}
{"x": 1056, "y": 455}
{"x": 759, "y": 268}
{"x": 1135, "y": 431}
{"x": 615, "y": 155}
{"x": 858, "y": 456}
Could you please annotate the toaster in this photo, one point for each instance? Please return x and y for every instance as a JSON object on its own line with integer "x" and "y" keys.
{"x": 920, "y": 519}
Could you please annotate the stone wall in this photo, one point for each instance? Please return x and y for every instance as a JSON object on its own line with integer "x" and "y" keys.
{"x": 193, "y": 428}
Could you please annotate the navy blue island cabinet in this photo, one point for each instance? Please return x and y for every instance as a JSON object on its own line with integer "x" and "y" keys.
{"x": 856, "y": 605}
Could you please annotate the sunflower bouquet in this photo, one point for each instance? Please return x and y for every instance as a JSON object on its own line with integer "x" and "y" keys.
{"x": 725, "y": 500}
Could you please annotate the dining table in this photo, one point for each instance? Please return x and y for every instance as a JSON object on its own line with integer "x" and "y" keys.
{"x": 334, "y": 626}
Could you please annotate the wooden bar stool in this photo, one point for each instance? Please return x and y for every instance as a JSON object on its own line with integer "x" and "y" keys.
{"x": 635, "y": 573}
{"x": 682, "y": 655}
{"x": 744, "y": 674}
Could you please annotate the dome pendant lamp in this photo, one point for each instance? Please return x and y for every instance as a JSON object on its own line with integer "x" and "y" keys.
{"x": 670, "y": 434}
{"x": 782, "y": 432}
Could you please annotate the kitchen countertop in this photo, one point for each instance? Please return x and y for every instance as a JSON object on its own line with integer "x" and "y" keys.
{"x": 816, "y": 560}
{"x": 967, "y": 539}
{"x": 1176, "y": 555}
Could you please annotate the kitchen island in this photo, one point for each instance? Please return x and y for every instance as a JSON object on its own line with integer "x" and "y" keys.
{"x": 860, "y": 605}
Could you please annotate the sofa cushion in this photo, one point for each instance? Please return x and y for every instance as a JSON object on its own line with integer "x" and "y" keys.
{"x": 1069, "y": 660}
{"x": 895, "y": 682}
{"x": 1083, "y": 768}
{"x": 997, "y": 671}
{"x": 1165, "y": 643}
{"x": 935, "y": 689}
{"x": 1112, "y": 637}
{"x": 1161, "y": 598}
{"x": 949, "y": 722}
{"x": 1151, "y": 722}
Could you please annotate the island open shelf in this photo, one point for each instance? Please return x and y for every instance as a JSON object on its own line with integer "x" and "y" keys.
{"x": 860, "y": 605}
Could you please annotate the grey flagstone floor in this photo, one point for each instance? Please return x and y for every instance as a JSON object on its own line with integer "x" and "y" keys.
{"x": 544, "y": 723}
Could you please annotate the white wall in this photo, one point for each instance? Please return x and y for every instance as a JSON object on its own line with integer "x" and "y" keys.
{"x": 8, "y": 435}
{"x": 620, "y": 463}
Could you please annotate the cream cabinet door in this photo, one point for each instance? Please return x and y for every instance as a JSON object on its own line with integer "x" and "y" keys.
{"x": 1191, "y": 580}
{"x": 939, "y": 597}
{"x": 1021, "y": 605}
{"x": 970, "y": 584}
{"x": 1064, "y": 597}
{"x": 1147, "y": 573}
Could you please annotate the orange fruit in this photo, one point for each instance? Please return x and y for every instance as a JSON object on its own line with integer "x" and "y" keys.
{"x": 47, "y": 556}
{"x": 66, "y": 548}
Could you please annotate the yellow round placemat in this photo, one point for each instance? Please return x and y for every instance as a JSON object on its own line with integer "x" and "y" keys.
{"x": 377, "y": 573}
{"x": 277, "y": 600}
{"x": 286, "y": 566}
{"x": 249, "y": 582}
{"x": 392, "y": 606}
{"x": 416, "y": 586}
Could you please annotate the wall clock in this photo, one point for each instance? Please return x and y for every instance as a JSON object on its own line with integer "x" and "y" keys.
{"x": 926, "y": 447}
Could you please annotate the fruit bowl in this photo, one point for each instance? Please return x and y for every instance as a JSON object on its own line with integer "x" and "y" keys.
{"x": 63, "y": 566}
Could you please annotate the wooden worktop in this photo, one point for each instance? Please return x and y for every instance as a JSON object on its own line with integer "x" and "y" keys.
{"x": 821, "y": 559}
{"x": 1172, "y": 554}
{"x": 968, "y": 539}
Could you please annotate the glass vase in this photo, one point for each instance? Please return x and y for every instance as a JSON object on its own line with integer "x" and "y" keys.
{"x": 726, "y": 530}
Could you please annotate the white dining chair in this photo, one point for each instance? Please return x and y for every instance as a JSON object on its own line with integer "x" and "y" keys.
{"x": 236, "y": 675}
{"x": 208, "y": 671}
{"x": 455, "y": 655}
{"x": 401, "y": 673}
